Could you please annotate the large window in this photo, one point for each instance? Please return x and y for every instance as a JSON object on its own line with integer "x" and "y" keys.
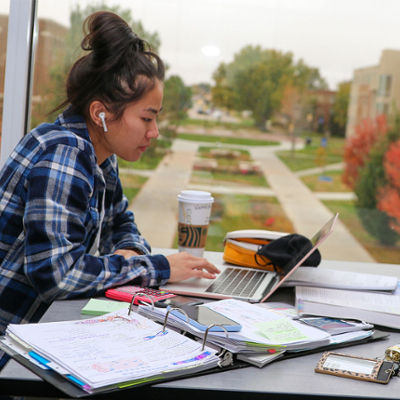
{"x": 257, "y": 111}
{"x": 385, "y": 85}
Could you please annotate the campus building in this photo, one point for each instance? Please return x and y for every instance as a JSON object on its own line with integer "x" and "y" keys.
{"x": 375, "y": 90}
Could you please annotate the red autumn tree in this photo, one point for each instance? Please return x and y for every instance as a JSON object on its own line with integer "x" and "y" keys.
{"x": 357, "y": 147}
{"x": 389, "y": 195}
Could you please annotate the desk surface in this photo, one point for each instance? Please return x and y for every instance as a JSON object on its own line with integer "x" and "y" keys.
{"x": 294, "y": 378}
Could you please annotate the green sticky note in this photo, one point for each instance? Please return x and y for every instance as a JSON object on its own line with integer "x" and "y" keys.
{"x": 281, "y": 331}
{"x": 100, "y": 307}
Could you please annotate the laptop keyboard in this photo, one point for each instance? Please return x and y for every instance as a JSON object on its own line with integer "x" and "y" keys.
{"x": 237, "y": 282}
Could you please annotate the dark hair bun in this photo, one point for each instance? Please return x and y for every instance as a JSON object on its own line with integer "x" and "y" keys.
{"x": 113, "y": 69}
{"x": 110, "y": 39}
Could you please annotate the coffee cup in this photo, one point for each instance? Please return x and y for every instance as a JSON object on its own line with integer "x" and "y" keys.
{"x": 194, "y": 218}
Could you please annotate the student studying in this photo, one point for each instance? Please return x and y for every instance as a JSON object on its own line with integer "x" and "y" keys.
{"x": 64, "y": 226}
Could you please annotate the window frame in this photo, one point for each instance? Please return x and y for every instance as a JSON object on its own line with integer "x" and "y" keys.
{"x": 21, "y": 47}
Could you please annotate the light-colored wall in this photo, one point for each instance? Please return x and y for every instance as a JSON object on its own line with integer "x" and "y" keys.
{"x": 364, "y": 93}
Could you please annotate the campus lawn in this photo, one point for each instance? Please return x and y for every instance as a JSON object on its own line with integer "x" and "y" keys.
{"x": 314, "y": 155}
{"x": 225, "y": 140}
{"x": 227, "y": 178}
{"x": 329, "y": 181}
{"x": 348, "y": 215}
{"x": 151, "y": 158}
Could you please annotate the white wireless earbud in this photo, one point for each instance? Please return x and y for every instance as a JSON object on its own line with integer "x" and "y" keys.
{"x": 102, "y": 116}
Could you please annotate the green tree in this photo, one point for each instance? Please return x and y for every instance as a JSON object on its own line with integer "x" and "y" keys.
{"x": 309, "y": 78}
{"x": 256, "y": 80}
{"x": 177, "y": 100}
{"x": 341, "y": 104}
{"x": 223, "y": 94}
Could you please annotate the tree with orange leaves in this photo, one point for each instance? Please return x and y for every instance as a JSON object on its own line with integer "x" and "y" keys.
{"x": 358, "y": 147}
{"x": 389, "y": 195}
{"x": 365, "y": 155}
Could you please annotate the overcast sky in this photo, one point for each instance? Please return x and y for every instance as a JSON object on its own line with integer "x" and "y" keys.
{"x": 336, "y": 36}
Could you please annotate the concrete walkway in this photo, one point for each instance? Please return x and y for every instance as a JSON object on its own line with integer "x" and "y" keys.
{"x": 317, "y": 170}
{"x": 306, "y": 212}
{"x": 157, "y": 200}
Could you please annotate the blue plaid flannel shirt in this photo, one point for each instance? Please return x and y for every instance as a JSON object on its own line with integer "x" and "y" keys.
{"x": 51, "y": 195}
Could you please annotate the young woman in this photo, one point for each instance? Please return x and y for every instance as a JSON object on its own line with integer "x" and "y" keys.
{"x": 64, "y": 226}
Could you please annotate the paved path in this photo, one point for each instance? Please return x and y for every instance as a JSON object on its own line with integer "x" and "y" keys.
{"x": 312, "y": 171}
{"x": 306, "y": 212}
{"x": 157, "y": 200}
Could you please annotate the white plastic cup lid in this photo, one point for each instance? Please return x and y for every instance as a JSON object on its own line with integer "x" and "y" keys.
{"x": 195, "y": 196}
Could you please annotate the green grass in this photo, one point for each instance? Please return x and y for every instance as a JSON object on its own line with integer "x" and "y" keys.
{"x": 348, "y": 215}
{"x": 130, "y": 193}
{"x": 317, "y": 185}
{"x": 213, "y": 178}
{"x": 303, "y": 160}
{"x": 225, "y": 140}
{"x": 142, "y": 163}
{"x": 231, "y": 175}
{"x": 151, "y": 158}
{"x": 314, "y": 155}
{"x": 335, "y": 145}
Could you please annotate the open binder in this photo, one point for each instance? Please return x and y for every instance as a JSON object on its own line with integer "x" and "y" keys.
{"x": 249, "y": 345}
{"x": 74, "y": 355}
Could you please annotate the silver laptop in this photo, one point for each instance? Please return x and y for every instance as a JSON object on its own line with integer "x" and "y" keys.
{"x": 247, "y": 284}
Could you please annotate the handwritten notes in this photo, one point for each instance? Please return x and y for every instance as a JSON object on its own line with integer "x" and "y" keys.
{"x": 281, "y": 331}
{"x": 114, "y": 348}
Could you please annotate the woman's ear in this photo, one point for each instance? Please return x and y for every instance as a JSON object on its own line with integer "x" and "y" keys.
{"x": 98, "y": 114}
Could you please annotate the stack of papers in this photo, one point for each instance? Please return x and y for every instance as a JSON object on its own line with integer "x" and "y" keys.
{"x": 263, "y": 331}
{"x": 328, "y": 278}
{"x": 109, "y": 352}
{"x": 269, "y": 330}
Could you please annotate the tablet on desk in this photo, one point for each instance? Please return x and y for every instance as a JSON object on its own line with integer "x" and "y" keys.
{"x": 246, "y": 283}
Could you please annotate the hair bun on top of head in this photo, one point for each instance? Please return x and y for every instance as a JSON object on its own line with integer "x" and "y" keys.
{"x": 108, "y": 36}
{"x": 110, "y": 72}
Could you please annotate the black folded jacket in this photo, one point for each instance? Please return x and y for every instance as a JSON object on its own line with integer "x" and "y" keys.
{"x": 286, "y": 252}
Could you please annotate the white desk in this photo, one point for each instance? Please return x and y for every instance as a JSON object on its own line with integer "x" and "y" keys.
{"x": 292, "y": 378}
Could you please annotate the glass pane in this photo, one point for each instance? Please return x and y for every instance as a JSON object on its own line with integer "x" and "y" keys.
{"x": 275, "y": 108}
{"x": 4, "y": 11}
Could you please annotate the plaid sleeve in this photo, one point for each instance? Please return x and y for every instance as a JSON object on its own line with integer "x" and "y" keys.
{"x": 56, "y": 217}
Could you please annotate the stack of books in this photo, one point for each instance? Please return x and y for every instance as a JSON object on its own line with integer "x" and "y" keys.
{"x": 376, "y": 308}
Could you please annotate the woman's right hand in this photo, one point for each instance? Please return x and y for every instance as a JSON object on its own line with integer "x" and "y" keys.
{"x": 184, "y": 266}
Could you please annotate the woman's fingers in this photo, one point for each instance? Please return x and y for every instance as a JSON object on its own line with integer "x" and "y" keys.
{"x": 184, "y": 266}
